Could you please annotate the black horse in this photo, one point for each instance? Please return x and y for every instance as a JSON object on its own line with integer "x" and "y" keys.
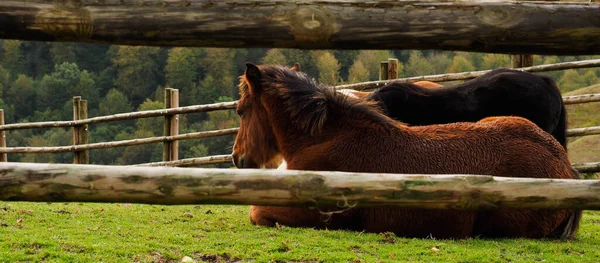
{"x": 500, "y": 92}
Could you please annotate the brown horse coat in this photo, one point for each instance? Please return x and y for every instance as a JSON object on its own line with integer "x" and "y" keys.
{"x": 314, "y": 128}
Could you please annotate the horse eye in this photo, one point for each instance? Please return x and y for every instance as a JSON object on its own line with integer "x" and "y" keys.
{"x": 239, "y": 112}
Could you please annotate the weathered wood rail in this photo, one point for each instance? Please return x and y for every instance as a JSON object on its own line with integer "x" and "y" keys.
{"x": 162, "y": 185}
{"x": 357, "y": 86}
{"x": 471, "y": 75}
{"x": 82, "y": 146}
{"x": 534, "y": 27}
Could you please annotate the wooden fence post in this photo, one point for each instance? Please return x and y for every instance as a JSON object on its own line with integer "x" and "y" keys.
{"x": 80, "y": 132}
{"x": 171, "y": 127}
{"x": 392, "y": 68}
{"x": 3, "y": 156}
{"x": 521, "y": 61}
{"x": 383, "y": 70}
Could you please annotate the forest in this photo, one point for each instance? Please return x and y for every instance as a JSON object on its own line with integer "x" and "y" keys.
{"x": 39, "y": 79}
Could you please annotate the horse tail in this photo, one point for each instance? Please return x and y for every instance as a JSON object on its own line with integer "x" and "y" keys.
{"x": 560, "y": 131}
{"x": 569, "y": 227}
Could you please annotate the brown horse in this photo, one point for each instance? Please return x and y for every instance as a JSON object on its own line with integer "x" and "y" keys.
{"x": 314, "y": 128}
{"x": 428, "y": 84}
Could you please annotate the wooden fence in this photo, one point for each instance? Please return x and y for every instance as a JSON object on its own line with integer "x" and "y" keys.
{"x": 531, "y": 27}
{"x": 162, "y": 185}
{"x": 388, "y": 72}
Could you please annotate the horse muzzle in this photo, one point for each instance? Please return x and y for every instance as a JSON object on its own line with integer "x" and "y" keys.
{"x": 243, "y": 162}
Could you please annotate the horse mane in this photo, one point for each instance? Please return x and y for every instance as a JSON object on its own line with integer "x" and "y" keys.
{"x": 310, "y": 104}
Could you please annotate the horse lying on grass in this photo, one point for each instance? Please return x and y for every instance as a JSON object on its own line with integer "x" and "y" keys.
{"x": 286, "y": 113}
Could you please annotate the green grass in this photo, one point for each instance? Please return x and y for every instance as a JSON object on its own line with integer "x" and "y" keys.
{"x": 586, "y": 148}
{"x": 74, "y": 232}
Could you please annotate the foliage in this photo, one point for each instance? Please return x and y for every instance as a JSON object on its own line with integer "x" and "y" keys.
{"x": 182, "y": 73}
{"x": 492, "y": 61}
{"x": 274, "y": 56}
{"x": 371, "y": 59}
{"x": 418, "y": 65}
{"x": 21, "y": 94}
{"x": 114, "y": 102}
{"x": 12, "y": 59}
{"x": 460, "y": 64}
{"x": 329, "y": 68}
{"x": 358, "y": 73}
{"x": 137, "y": 71}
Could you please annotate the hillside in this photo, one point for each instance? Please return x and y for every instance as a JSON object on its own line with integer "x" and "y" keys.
{"x": 587, "y": 148}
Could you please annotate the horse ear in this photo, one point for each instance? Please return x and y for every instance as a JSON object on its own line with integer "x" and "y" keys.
{"x": 253, "y": 77}
{"x": 296, "y": 67}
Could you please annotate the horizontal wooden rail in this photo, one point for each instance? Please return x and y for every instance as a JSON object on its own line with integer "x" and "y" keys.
{"x": 357, "y": 86}
{"x": 519, "y": 27}
{"x": 195, "y": 135}
{"x": 470, "y": 75}
{"x": 132, "y": 142}
{"x": 214, "y": 159}
{"x": 217, "y": 159}
{"x": 585, "y": 98}
{"x": 168, "y": 185}
{"x": 123, "y": 116}
{"x": 583, "y": 131}
{"x": 587, "y": 167}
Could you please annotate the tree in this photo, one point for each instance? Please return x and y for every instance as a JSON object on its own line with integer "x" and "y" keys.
{"x": 140, "y": 153}
{"x": 9, "y": 111}
{"x": 137, "y": 71}
{"x": 371, "y": 60}
{"x": 86, "y": 88}
{"x": 493, "y": 61}
{"x": 65, "y": 82}
{"x": 218, "y": 63}
{"x": 37, "y": 60}
{"x": 182, "y": 72}
{"x": 114, "y": 102}
{"x": 571, "y": 80}
{"x": 358, "y": 73}
{"x": 440, "y": 61}
{"x": 220, "y": 120}
{"x": 460, "y": 64}
{"x": 474, "y": 58}
{"x": 153, "y": 125}
{"x": 418, "y": 65}
{"x": 62, "y": 52}
{"x": 329, "y": 68}
{"x": 12, "y": 59}
{"x": 274, "y": 56}
{"x": 4, "y": 80}
{"x": 22, "y": 96}
{"x": 346, "y": 59}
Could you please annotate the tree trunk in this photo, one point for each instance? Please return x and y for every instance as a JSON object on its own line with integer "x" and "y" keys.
{"x": 160, "y": 185}
{"x": 484, "y": 26}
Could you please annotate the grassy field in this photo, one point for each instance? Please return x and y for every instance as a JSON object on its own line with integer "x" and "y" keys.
{"x": 74, "y": 232}
{"x": 587, "y": 148}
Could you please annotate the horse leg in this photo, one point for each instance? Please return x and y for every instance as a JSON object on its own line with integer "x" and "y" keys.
{"x": 297, "y": 217}
{"x": 419, "y": 222}
{"x": 530, "y": 223}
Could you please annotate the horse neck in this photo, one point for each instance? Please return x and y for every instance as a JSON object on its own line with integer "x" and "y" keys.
{"x": 292, "y": 140}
